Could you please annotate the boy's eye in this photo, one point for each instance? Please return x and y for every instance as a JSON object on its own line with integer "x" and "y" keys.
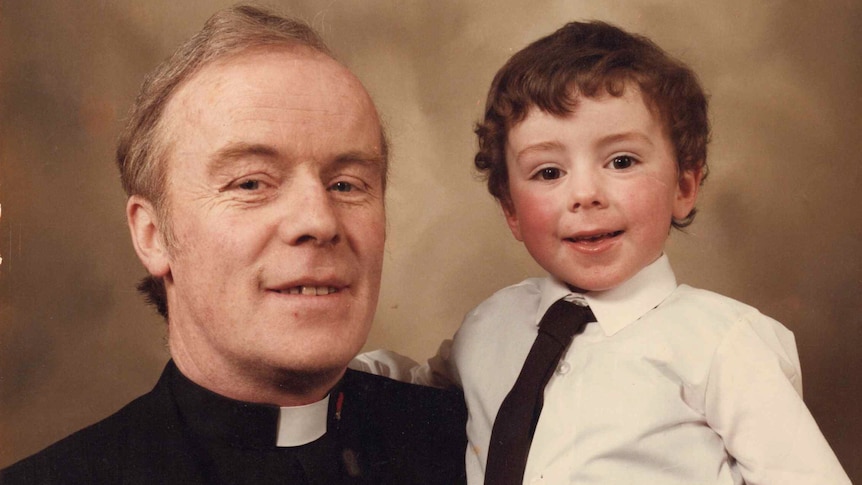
{"x": 549, "y": 173}
{"x": 622, "y": 162}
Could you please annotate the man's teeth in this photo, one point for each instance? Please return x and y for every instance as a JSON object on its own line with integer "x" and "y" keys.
{"x": 309, "y": 290}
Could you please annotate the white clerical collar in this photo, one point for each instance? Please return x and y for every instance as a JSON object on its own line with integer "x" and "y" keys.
{"x": 300, "y": 425}
{"x": 618, "y": 307}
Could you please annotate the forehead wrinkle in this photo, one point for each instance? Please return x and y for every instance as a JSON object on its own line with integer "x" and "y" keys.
{"x": 254, "y": 111}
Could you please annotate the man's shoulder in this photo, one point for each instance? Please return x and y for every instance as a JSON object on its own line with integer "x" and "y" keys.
{"x": 136, "y": 437}
{"x": 399, "y": 400}
{"x": 414, "y": 434}
{"x": 83, "y": 456}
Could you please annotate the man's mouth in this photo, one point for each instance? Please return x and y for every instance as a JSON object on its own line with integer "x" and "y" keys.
{"x": 308, "y": 290}
{"x": 594, "y": 237}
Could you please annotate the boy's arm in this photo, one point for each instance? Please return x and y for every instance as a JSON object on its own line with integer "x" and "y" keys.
{"x": 753, "y": 400}
{"x": 435, "y": 372}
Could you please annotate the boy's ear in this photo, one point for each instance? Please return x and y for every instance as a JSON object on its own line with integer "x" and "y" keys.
{"x": 147, "y": 238}
{"x": 686, "y": 194}
{"x": 512, "y": 220}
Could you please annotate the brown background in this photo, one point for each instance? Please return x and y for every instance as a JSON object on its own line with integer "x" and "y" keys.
{"x": 780, "y": 216}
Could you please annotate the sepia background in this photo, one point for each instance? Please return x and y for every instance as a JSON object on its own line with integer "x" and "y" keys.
{"x": 780, "y": 225}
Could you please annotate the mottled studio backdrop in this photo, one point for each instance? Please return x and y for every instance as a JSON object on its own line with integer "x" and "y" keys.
{"x": 780, "y": 224}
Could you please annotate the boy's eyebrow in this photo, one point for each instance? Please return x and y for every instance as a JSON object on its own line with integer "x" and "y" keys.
{"x": 603, "y": 141}
{"x": 544, "y": 146}
{"x": 625, "y": 136}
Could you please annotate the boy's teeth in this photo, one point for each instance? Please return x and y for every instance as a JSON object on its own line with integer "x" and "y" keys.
{"x": 596, "y": 237}
{"x": 309, "y": 290}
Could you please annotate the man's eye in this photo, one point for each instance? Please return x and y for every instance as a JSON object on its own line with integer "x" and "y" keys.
{"x": 342, "y": 187}
{"x": 549, "y": 173}
{"x": 249, "y": 185}
{"x": 622, "y": 162}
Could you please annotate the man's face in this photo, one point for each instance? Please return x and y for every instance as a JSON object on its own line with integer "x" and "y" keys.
{"x": 593, "y": 193}
{"x": 275, "y": 195}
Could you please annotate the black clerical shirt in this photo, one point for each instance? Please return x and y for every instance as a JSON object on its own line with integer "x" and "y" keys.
{"x": 235, "y": 441}
{"x": 378, "y": 432}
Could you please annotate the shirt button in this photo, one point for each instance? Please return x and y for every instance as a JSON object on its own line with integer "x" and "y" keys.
{"x": 563, "y": 368}
{"x": 537, "y": 480}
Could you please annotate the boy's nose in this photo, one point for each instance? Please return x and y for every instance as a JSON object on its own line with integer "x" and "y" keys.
{"x": 586, "y": 191}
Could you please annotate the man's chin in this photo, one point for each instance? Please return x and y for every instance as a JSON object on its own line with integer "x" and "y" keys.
{"x": 311, "y": 379}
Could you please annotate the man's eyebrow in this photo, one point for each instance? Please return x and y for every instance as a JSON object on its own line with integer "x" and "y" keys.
{"x": 230, "y": 153}
{"x": 361, "y": 158}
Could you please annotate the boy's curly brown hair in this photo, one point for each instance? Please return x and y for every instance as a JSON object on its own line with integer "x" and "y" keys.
{"x": 591, "y": 59}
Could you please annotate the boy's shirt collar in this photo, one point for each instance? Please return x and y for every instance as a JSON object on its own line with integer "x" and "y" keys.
{"x": 618, "y": 307}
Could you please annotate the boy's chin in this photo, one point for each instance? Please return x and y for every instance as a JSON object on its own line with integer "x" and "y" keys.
{"x": 585, "y": 284}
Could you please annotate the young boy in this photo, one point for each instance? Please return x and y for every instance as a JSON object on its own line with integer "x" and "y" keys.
{"x": 594, "y": 142}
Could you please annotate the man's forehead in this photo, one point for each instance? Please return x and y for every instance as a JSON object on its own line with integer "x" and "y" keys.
{"x": 276, "y": 104}
{"x": 289, "y": 72}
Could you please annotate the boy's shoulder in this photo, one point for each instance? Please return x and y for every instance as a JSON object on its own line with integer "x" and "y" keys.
{"x": 519, "y": 298}
{"x": 709, "y": 301}
{"x": 725, "y": 326}
{"x": 513, "y": 305}
{"x": 530, "y": 287}
{"x": 710, "y": 305}
{"x": 704, "y": 312}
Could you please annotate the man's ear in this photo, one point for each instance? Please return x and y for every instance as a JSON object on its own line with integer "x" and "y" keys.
{"x": 686, "y": 193}
{"x": 147, "y": 237}
{"x": 512, "y": 220}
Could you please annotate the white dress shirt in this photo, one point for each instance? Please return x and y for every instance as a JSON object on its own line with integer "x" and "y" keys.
{"x": 672, "y": 385}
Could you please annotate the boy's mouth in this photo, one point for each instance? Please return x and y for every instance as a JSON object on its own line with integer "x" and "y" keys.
{"x": 594, "y": 237}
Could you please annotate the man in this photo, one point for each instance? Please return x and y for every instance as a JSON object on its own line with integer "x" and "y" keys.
{"x": 256, "y": 166}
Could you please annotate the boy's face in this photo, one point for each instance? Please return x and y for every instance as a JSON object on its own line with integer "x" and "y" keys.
{"x": 593, "y": 193}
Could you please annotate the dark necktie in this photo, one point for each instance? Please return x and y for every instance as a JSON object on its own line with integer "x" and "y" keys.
{"x": 519, "y": 413}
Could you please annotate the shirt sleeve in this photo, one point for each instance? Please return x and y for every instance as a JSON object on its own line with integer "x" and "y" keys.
{"x": 435, "y": 372}
{"x": 753, "y": 400}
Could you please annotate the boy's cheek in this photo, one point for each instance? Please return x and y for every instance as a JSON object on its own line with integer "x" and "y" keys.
{"x": 531, "y": 215}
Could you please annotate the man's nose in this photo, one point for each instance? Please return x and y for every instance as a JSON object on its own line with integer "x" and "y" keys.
{"x": 310, "y": 216}
{"x": 586, "y": 190}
